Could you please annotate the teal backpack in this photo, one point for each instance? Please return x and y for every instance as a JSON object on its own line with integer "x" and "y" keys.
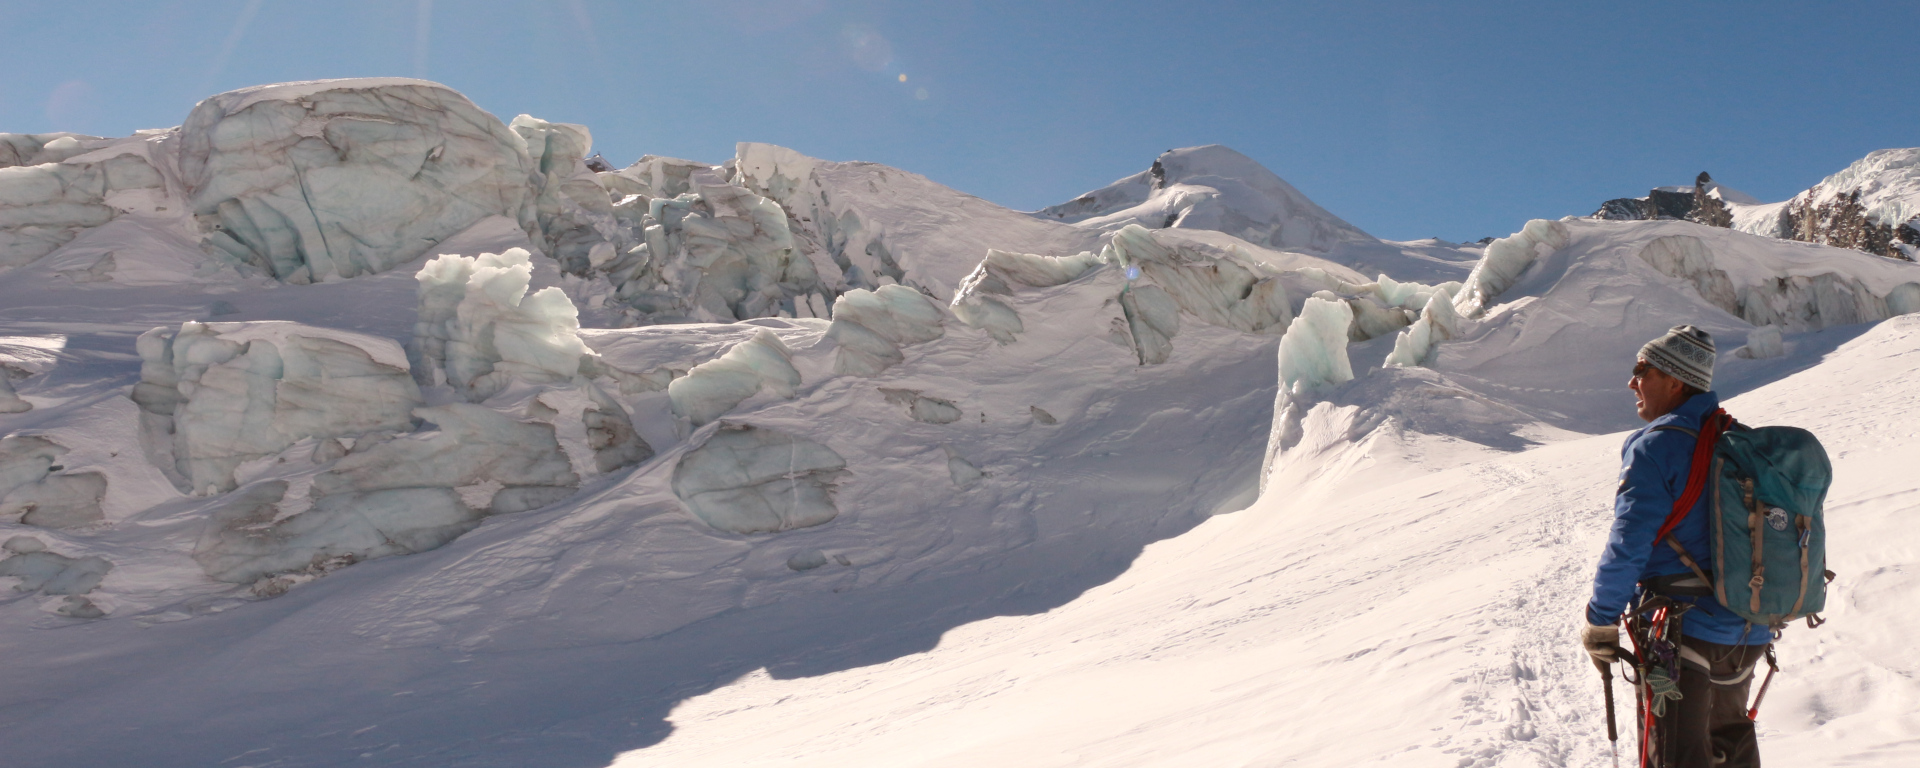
{"x": 1765, "y": 489}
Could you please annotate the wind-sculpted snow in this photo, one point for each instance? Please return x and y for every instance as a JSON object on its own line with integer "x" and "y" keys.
{"x": 1210, "y": 187}
{"x": 745, "y": 479}
{"x": 216, "y": 395}
{"x": 337, "y": 178}
{"x": 1505, "y": 260}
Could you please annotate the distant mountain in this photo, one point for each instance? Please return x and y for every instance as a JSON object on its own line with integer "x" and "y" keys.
{"x": 1210, "y": 187}
{"x": 1872, "y": 205}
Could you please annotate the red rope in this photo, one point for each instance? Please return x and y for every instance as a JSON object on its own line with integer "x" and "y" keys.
{"x": 1715, "y": 424}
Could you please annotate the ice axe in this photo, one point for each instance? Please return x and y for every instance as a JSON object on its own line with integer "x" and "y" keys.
{"x": 1613, "y": 730}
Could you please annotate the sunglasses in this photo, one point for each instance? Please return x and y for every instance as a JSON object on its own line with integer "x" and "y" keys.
{"x": 1641, "y": 368}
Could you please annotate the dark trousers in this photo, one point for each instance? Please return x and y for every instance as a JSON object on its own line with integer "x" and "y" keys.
{"x": 1709, "y": 724}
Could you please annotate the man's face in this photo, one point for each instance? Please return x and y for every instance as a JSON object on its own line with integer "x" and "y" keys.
{"x": 1655, "y": 393}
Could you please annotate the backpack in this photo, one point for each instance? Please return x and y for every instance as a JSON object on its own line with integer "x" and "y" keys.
{"x": 1765, "y": 489}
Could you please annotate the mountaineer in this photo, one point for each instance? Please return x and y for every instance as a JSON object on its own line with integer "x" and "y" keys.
{"x": 1701, "y": 719}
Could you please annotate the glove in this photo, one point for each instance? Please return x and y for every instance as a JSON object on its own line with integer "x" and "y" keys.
{"x": 1602, "y": 643}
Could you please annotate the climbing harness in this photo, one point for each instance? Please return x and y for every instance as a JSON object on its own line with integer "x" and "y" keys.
{"x": 1654, "y": 628}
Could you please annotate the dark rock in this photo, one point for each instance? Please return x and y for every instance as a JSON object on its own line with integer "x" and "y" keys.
{"x": 1707, "y": 209}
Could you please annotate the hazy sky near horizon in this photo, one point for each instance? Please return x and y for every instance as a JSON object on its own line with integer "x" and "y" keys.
{"x": 1456, "y": 120}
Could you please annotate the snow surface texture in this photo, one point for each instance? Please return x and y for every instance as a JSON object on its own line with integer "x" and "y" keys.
{"x": 1505, "y": 259}
{"x": 1210, "y": 187}
{"x": 1271, "y": 662}
{"x": 980, "y": 537}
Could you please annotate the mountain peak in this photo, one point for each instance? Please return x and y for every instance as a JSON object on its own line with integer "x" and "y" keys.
{"x": 1210, "y": 187}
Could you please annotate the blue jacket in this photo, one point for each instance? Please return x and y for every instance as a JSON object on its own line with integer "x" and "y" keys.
{"x": 1653, "y": 474}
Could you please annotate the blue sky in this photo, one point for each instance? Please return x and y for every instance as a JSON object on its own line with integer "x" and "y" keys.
{"x": 1457, "y": 120}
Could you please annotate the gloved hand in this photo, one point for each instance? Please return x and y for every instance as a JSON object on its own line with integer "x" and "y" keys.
{"x": 1602, "y": 643}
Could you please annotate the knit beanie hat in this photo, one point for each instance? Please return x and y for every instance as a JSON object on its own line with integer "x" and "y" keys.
{"x": 1685, "y": 353}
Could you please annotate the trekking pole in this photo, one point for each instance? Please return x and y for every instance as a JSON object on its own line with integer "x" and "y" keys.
{"x": 1613, "y": 731}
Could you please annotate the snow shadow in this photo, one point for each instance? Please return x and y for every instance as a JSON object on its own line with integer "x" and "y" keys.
{"x": 241, "y": 687}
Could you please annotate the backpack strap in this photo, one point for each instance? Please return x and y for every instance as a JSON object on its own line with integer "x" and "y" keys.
{"x": 1712, "y": 427}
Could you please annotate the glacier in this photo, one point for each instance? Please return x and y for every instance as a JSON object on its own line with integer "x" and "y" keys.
{"x": 216, "y": 395}
{"x": 639, "y": 453}
{"x": 332, "y": 179}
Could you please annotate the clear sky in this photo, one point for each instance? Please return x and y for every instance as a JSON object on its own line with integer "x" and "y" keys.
{"x": 1457, "y": 120}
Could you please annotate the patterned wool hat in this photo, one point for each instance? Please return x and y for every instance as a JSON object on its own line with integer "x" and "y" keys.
{"x": 1685, "y": 353}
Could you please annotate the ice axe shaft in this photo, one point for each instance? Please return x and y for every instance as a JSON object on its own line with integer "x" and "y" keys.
{"x": 1773, "y": 665}
{"x": 1613, "y": 729}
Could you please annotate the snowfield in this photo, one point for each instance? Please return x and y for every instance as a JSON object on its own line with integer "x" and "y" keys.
{"x": 784, "y": 461}
{"x": 1386, "y": 612}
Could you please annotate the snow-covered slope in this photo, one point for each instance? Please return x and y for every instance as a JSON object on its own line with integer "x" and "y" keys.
{"x": 1887, "y": 182}
{"x": 690, "y": 436}
{"x": 1393, "y": 613}
{"x": 1871, "y": 205}
{"x": 1608, "y": 286}
{"x": 1210, "y": 187}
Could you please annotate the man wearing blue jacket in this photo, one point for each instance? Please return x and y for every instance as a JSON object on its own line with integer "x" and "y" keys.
{"x": 1673, "y": 386}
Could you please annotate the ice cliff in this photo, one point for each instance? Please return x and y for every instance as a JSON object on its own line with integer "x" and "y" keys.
{"x": 216, "y": 395}
{"x": 51, "y": 191}
{"x": 340, "y": 178}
